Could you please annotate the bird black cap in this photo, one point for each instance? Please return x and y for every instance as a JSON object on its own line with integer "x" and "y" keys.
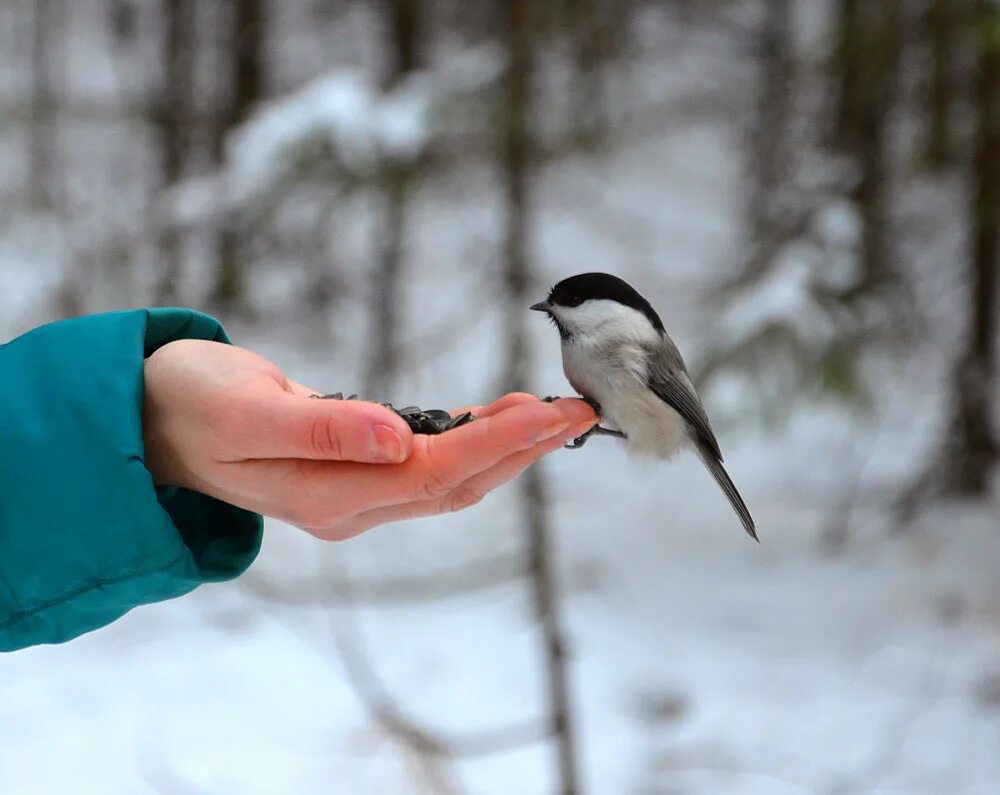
{"x": 574, "y": 290}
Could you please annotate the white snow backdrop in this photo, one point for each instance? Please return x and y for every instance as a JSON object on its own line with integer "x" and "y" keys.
{"x": 701, "y": 662}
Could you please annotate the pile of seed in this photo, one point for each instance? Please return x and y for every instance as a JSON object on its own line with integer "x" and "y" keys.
{"x": 426, "y": 421}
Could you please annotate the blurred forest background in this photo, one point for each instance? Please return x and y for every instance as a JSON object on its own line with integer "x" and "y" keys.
{"x": 371, "y": 194}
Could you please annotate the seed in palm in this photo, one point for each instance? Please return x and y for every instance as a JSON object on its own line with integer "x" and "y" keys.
{"x": 426, "y": 421}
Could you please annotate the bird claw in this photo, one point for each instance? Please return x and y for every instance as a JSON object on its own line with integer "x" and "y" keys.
{"x": 597, "y": 430}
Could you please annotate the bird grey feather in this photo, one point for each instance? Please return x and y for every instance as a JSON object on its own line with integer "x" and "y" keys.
{"x": 729, "y": 489}
{"x": 667, "y": 377}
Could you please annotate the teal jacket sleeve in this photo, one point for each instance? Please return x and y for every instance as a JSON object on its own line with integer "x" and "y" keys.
{"x": 84, "y": 534}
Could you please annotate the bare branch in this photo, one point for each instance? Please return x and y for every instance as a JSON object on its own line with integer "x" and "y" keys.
{"x": 461, "y": 580}
{"x": 370, "y": 689}
{"x": 515, "y": 166}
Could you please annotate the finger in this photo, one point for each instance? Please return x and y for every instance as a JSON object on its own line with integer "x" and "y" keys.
{"x": 454, "y": 457}
{"x": 301, "y": 389}
{"x": 436, "y": 465}
{"x": 464, "y": 496}
{"x": 277, "y": 424}
{"x": 508, "y": 400}
{"x": 498, "y": 405}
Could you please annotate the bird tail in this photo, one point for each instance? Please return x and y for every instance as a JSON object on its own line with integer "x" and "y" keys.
{"x": 718, "y": 471}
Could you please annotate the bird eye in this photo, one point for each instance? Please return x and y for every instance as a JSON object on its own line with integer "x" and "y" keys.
{"x": 575, "y": 300}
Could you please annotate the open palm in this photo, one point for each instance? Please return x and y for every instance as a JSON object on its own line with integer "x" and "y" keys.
{"x": 226, "y": 422}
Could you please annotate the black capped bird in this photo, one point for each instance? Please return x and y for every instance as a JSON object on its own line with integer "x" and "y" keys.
{"x": 618, "y": 356}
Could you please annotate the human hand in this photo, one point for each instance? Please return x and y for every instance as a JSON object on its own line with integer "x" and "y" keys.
{"x": 226, "y": 422}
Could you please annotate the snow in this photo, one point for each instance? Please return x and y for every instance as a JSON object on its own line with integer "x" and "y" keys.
{"x": 792, "y": 670}
{"x": 343, "y": 115}
{"x": 337, "y": 109}
{"x": 785, "y": 298}
{"x": 700, "y": 662}
{"x": 30, "y": 266}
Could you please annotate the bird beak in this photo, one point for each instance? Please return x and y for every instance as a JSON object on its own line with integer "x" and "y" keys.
{"x": 541, "y": 306}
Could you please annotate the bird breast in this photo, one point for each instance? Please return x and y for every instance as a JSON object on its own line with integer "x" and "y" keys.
{"x": 615, "y": 378}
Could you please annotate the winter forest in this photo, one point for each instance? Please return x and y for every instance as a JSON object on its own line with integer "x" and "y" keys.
{"x": 371, "y": 195}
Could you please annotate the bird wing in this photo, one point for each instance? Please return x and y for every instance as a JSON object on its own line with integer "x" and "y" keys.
{"x": 667, "y": 378}
{"x": 670, "y": 383}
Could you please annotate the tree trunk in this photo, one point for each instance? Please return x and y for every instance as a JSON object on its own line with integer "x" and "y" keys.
{"x": 122, "y": 19}
{"x": 43, "y": 140}
{"x": 877, "y": 43}
{"x": 245, "y": 56}
{"x": 597, "y": 32}
{"x": 171, "y": 123}
{"x": 402, "y": 57}
{"x": 847, "y": 72}
{"x": 247, "y": 76}
{"x": 383, "y": 361}
{"x": 972, "y": 450}
{"x": 515, "y": 167}
{"x": 941, "y": 27}
{"x": 769, "y": 145}
{"x": 46, "y": 168}
{"x": 404, "y": 30}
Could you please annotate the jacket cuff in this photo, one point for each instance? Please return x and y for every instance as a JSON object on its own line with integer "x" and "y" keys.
{"x": 84, "y": 534}
{"x": 223, "y": 540}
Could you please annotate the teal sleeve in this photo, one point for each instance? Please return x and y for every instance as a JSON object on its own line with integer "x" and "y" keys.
{"x": 84, "y": 534}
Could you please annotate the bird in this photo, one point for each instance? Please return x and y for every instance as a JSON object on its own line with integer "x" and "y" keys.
{"x": 618, "y": 357}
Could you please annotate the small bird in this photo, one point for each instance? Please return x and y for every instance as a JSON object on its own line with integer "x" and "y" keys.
{"x": 619, "y": 358}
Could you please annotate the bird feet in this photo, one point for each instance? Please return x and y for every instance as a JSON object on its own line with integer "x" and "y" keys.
{"x": 597, "y": 430}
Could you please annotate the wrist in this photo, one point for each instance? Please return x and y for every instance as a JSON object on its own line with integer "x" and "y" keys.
{"x": 161, "y": 457}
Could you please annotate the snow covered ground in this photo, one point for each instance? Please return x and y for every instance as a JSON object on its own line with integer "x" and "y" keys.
{"x": 701, "y": 662}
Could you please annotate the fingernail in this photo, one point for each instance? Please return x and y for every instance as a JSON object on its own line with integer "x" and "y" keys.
{"x": 553, "y": 430}
{"x": 385, "y": 444}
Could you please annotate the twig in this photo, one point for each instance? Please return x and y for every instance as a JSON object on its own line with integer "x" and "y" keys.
{"x": 429, "y": 746}
{"x": 545, "y": 590}
{"x": 427, "y": 741}
{"x": 448, "y": 583}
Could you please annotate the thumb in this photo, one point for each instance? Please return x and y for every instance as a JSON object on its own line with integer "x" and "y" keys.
{"x": 286, "y": 425}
